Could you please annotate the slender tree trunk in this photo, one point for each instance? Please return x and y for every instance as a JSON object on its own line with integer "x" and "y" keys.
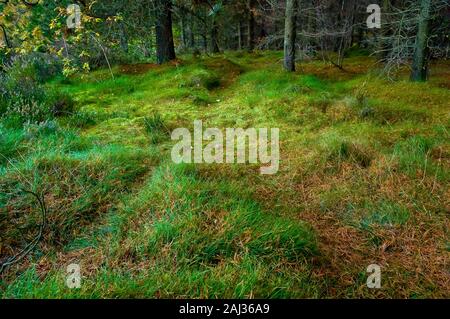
{"x": 290, "y": 35}
{"x": 251, "y": 25}
{"x": 239, "y": 26}
{"x": 203, "y": 30}
{"x": 277, "y": 44}
{"x": 420, "y": 59}
{"x": 190, "y": 31}
{"x": 165, "y": 50}
{"x": 214, "y": 37}
{"x": 205, "y": 41}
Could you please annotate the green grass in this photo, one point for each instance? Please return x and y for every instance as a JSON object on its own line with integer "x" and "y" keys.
{"x": 385, "y": 214}
{"x": 362, "y": 163}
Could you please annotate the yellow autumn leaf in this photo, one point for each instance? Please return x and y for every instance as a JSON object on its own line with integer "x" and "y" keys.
{"x": 37, "y": 32}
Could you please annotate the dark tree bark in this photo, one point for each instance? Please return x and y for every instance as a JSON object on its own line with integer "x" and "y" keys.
{"x": 290, "y": 35}
{"x": 190, "y": 32}
{"x": 214, "y": 37}
{"x": 204, "y": 36}
{"x": 165, "y": 50}
{"x": 251, "y": 25}
{"x": 420, "y": 59}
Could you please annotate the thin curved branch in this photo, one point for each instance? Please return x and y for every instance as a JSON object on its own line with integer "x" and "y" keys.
{"x": 5, "y": 36}
{"x": 28, "y": 248}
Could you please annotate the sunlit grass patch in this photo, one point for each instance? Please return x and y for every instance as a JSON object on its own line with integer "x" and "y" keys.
{"x": 414, "y": 157}
{"x": 386, "y": 214}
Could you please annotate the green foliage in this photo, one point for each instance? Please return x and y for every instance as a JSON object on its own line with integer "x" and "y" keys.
{"x": 22, "y": 94}
{"x": 26, "y": 111}
{"x": 36, "y": 66}
{"x": 22, "y": 97}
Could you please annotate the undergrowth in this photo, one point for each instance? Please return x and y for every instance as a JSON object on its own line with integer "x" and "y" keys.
{"x": 363, "y": 179}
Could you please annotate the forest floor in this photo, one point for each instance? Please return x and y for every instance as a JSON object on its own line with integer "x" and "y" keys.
{"x": 363, "y": 180}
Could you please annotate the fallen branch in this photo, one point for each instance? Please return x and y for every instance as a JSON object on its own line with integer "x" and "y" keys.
{"x": 28, "y": 248}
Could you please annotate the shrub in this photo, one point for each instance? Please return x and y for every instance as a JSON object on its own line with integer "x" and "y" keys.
{"x": 62, "y": 104}
{"x": 18, "y": 89}
{"x": 28, "y": 111}
{"x": 22, "y": 95}
{"x": 23, "y": 99}
{"x": 45, "y": 128}
{"x": 37, "y": 66}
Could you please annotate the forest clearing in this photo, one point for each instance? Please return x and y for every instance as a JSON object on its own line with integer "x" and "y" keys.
{"x": 363, "y": 178}
{"x": 351, "y": 176}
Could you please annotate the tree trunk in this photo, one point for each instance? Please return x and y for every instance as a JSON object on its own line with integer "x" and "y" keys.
{"x": 190, "y": 26}
{"x": 165, "y": 50}
{"x": 420, "y": 60}
{"x": 214, "y": 37}
{"x": 239, "y": 26}
{"x": 204, "y": 36}
{"x": 203, "y": 29}
{"x": 251, "y": 25}
{"x": 290, "y": 35}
